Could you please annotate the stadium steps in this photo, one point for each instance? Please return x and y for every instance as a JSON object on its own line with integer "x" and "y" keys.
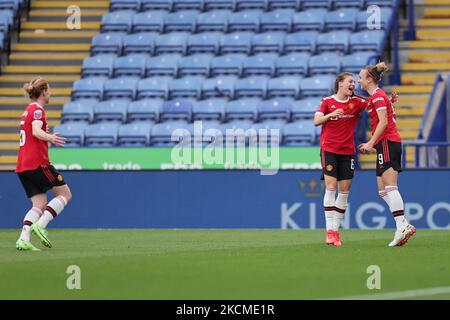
{"x": 47, "y": 47}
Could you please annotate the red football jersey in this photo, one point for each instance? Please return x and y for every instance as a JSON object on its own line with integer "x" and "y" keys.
{"x": 338, "y": 133}
{"x": 378, "y": 101}
{"x": 33, "y": 152}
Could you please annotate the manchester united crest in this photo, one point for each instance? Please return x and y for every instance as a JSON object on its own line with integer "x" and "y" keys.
{"x": 351, "y": 106}
{"x": 329, "y": 167}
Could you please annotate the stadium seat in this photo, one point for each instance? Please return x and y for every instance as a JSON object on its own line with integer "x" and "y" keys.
{"x": 333, "y": 41}
{"x": 268, "y": 42}
{"x": 111, "y": 110}
{"x": 301, "y": 42}
{"x": 220, "y": 5}
{"x": 251, "y": 87}
{"x": 211, "y": 109}
{"x": 106, "y": 43}
{"x": 267, "y": 133}
{"x": 284, "y": 4}
{"x": 318, "y": 86}
{"x": 187, "y": 87}
{"x": 177, "y": 109}
{"x": 342, "y": 19}
{"x": 154, "y": 87}
{"x": 288, "y": 86}
{"x": 182, "y": 21}
{"x": 145, "y": 110}
{"x": 12, "y": 5}
{"x": 73, "y": 132}
{"x": 196, "y": 65}
{"x": 367, "y": 41}
{"x": 305, "y": 108}
{"x": 382, "y": 3}
{"x": 358, "y": 4}
{"x": 99, "y": 65}
{"x": 235, "y": 133}
{"x": 163, "y": 65}
{"x": 169, "y": 134}
{"x": 143, "y": 42}
{"x": 325, "y": 4}
{"x": 214, "y": 21}
{"x": 310, "y": 20}
{"x": 90, "y": 88}
{"x": 239, "y": 42}
{"x": 277, "y": 20}
{"x": 79, "y": 110}
{"x": 117, "y": 21}
{"x": 131, "y": 65}
{"x": 251, "y": 4}
{"x": 124, "y": 87}
{"x": 136, "y": 134}
{"x": 220, "y": 87}
{"x": 134, "y": 5}
{"x": 260, "y": 64}
{"x": 102, "y": 134}
{"x": 174, "y": 42}
{"x": 207, "y": 42}
{"x": 210, "y": 134}
{"x": 325, "y": 63}
{"x": 292, "y": 63}
{"x": 358, "y": 60}
{"x": 244, "y": 21}
{"x": 6, "y": 20}
{"x": 227, "y": 65}
{"x": 275, "y": 109}
{"x": 156, "y": 5}
{"x": 242, "y": 109}
{"x": 366, "y": 21}
{"x": 299, "y": 133}
{"x": 149, "y": 21}
{"x": 188, "y": 5}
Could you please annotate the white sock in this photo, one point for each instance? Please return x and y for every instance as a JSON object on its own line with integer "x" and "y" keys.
{"x": 31, "y": 217}
{"x": 384, "y": 195}
{"x": 341, "y": 206}
{"x": 397, "y": 206}
{"x": 328, "y": 206}
{"x": 54, "y": 208}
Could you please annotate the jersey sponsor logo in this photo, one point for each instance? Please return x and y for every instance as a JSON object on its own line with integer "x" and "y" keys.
{"x": 329, "y": 167}
{"x": 37, "y": 115}
{"x": 377, "y": 99}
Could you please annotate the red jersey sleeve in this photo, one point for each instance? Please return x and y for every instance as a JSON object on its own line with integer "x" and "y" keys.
{"x": 36, "y": 113}
{"x": 379, "y": 103}
{"x": 322, "y": 109}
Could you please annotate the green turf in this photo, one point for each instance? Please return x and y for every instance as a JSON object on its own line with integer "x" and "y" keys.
{"x": 221, "y": 264}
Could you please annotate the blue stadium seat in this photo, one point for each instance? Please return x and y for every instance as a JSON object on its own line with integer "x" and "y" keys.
{"x": 358, "y": 4}
{"x": 239, "y": 42}
{"x": 207, "y": 42}
{"x": 107, "y": 43}
{"x": 211, "y": 109}
{"x": 145, "y": 110}
{"x": 117, "y": 21}
{"x": 325, "y": 4}
{"x": 143, "y": 42}
{"x": 325, "y": 63}
{"x": 242, "y": 109}
{"x": 131, "y": 65}
{"x": 287, "y": 86}
{"x": 2, "y": 40}
{"x": 73, "y": 132}
{"x": 342, "y": 19}
{"x": 367, "y": 41}
{"x": 188, "y": 5}
{"x": 124, "y": 87}
{"x": 196, "y": 65}
{"x": 174, "y": 42}
{"x": 211, "y": 134}
{"x": 235, "y": 133}
{"x": 292, "y": 63}
{"x": 134, "y": 5}
{"x": 275, "y": 109}
{"x": 299, "y": 133}
{"x": 79, "y": 110}
{"x": 227, "y": 65}
{"x": 305, "y": 108}
{"x": 244, "y": 21}
{"x": 9, "y": 5}
{"x": 163, "y": 65}
{"x": 215, "y": 21}
{"x": 260, "y": 64}
{"x": 366, "y": 21}
{"x": 102, "y": 134}
{"x": 268, "y": 42}
{"x": 149, "y": 21}
{"x": 6, "y": 20}
{"x": 318, "y": 86}
{"x": 251, "y": 4}
{"x": 251, "y": 87}
{"x": 169, "y": 134}
{"x": 381, "y": 3}
{"x": 220, "y": 87}
{"x": 99, "y": 65}
{"x": 136, "y": 134}
{"x": 358, "y": 60}
{"x": 177, "y": 109}
{"x": 111, "y": 110}
{"x": 267, "y": 133}
{"x": 301, "y": 42}
{"x": 187, "y": 87}
{"x": 154, "y": 87}
{"x": 183, "y": 21}
{"x": 89, "y": 88}
{"x": 220, "y": 5}
{"x": 284, "y": 4}
{"x": 310, "y": 20}
{"x": 277, "y": 20}
{"x": 156, "y": 5}
{"x": 333, "y": 41}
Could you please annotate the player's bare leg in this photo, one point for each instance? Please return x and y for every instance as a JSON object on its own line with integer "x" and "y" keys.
{"x": 39, "y": 202}
{"x": 329, "y": 203}
{"x": 340, "y": 207}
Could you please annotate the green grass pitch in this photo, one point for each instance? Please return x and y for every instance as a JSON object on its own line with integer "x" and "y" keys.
{"x": 222, "y": 264}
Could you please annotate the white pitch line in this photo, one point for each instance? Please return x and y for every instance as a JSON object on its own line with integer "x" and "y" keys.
{"x": 399, "y": 294}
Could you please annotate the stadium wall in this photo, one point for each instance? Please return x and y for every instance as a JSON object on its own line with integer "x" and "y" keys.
{"x": 228, "y": 199}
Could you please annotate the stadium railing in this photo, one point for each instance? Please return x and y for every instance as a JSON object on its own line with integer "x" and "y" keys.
{"x": 428, "y": 155}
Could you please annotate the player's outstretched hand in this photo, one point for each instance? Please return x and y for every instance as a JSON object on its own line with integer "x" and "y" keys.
{"x": 394, "y": 97}
{"x": 57, "y": 140}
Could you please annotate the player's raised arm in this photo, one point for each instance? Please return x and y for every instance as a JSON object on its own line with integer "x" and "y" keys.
{"x": 42, "y": 135}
